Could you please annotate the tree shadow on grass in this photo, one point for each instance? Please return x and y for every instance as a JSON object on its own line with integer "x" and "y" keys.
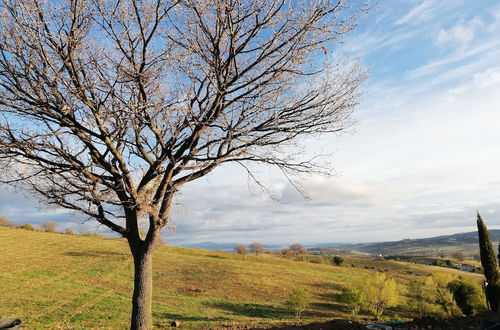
{"x": 94, "y": 253}
{"x": 328, "y": 286}
{"x": 215, "y": 256}
{"x": 328, "y": 306}
{"x": 253, "y": 310}
{"x": 169, "y": 317}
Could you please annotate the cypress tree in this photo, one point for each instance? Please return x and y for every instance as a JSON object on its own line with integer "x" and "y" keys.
{"x": 489, "y": 263}
{"x": 498, "y": 252}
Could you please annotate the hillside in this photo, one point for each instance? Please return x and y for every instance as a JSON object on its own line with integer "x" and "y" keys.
{"x": 466, "y": 243}
{"x": 55, "y": 281}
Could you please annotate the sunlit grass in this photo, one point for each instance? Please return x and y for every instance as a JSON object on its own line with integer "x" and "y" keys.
{"x": 55, "y": 281}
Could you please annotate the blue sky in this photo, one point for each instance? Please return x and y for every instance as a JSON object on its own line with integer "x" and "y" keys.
{"x": 423, "y": 157}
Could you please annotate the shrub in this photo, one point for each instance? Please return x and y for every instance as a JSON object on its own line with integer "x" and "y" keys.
{"x": 69, "y": 231}
{"x": 380, "y": 293}
{"x": 468, "y": 295}
{"x": 316, "y": 260}
{"x": 287, "y": 253}
{"x": 337, "y": 260}
{"x": 92, "y": 235}
{"x": 438, "y": 284}
{"x": 299, "y": 299}
{"x": 420, "y": 297}
{"x": 27, "y": 226}
{"x": 354, "y": 299}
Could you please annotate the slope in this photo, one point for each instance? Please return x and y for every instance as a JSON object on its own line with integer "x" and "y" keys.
{"x": 55, "y": 281}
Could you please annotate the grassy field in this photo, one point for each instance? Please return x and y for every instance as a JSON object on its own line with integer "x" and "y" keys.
{"x": 55, "y": 281}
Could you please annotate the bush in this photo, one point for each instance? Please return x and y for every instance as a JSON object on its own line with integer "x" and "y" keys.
{"x": 337, "y": 260}
{"x": 69, "y": 231}
{"x": 380, "y": 293}
{"x": 468, "y": 295}
{"x": 316, "y": 260}
{"x": 96, "y": 235}
{"x": 287, "y": 253}
{"x": 438, "y": 284}
{"x": 420, "y": 297}
{"x": 354, "y": 299}
{"x": 27, "y": 226}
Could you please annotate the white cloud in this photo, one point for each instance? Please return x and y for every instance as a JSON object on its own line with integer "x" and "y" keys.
{"x": 487, "y": 78}
{"x": 334, "y": 192}
{"x": 471, "y": 54}
{"x": 495, "y": 25}
{"x": 461, "y": 33}
{"x": 421, "y": 12}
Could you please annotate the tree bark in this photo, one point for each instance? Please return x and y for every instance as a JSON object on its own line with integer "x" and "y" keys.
{"x": 143, "y": 286}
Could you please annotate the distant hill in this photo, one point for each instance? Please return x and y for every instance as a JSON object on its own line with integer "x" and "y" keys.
{"x": 466, "y": 243}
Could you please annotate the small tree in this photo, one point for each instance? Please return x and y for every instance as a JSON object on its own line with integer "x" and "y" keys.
{"x": 4, "y": 222}
{"x": 69, "y": 231}
{"x": 299, "y": 299}
{"x": 438, "y": 284}
{"x": 256, "y": 248}
{"x": 490, "y": 265}
{"x": 354, "y": 299}
{"x": 468, "y": 295}
{"x": 49, "y": 227}
{"x": 298, "y": 249}
{"x": 241, "y": 249}
{"x": 380, "y": 293}
{"x": 420, "y": 297}
{"x": 337, "y": 260}
{"x": 287, "y": 253}
{"x": 458, "y": 256}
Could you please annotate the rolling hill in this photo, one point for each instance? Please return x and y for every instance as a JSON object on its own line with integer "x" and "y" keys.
{"x": 56, "y": 281}
{"x": 466, "y": 243}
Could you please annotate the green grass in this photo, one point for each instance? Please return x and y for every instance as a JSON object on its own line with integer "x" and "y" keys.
{"x": 55, "y": 281}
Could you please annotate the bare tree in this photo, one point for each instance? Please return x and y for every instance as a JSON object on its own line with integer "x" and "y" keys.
{"x": 298, "y": 249}
{"x": 4, "y": 222}
{"x": 49, "y": 226}
{"x": 257, "y": 248}
{"x": 457, "y": 255}
{"x": 241, "y": 249}
{"x": 109, "y": 107}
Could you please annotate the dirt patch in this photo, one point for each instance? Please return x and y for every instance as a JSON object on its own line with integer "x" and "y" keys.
{"x": 426, "y": 323}
{"x": 453, "y": 323}
{"x": 333, "y": 324}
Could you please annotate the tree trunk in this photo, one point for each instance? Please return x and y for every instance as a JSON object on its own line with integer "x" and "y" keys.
{"x": 143, "y": 286}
